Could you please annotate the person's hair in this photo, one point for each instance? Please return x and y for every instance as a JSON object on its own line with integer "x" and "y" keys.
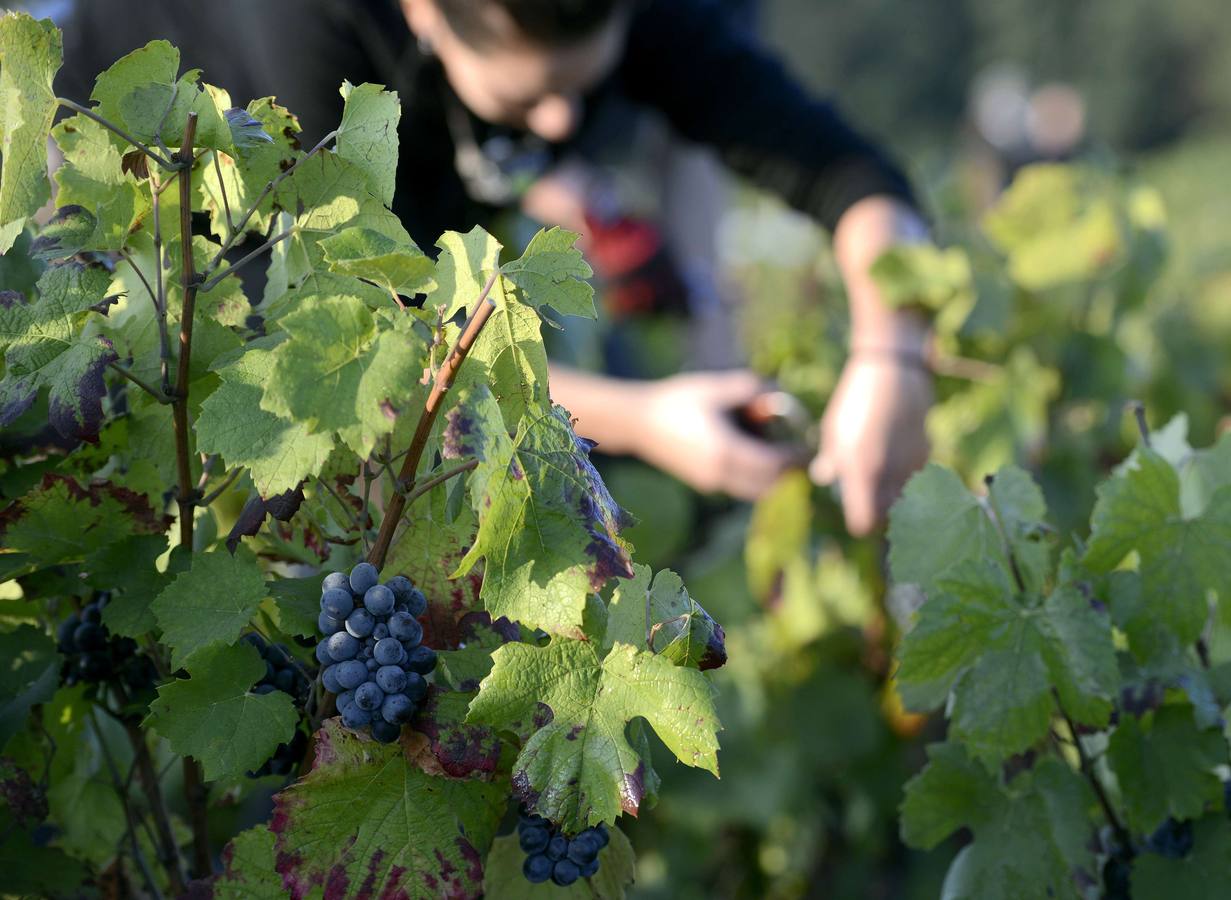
{"x": 549, "y": 22}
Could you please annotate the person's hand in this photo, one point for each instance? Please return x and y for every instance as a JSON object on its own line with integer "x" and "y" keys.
{"x": 686, "y": 428}
{"x": 872, "y": 435}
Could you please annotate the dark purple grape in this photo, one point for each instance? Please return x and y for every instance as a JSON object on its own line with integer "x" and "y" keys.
{"x": 378, "y": 600}
{"x": 362, "y": 577}
{"x": 89, "y": 636}
{"x": 416, "y": 687}
{"x": 421, "y": 659}
{"x": 93, "y": 613}
{"x": 397, "y": 709}
{"x": 337, "y": 604}
{"x": 385, "y": 732}
{"x": 565, "y": 873}
{"x": 335, "y": 581}
{"x": 327, "y": 624}
{"x": 360, "y": 623}
{"x": 391, "y": 679}
{"x": 342, "y": 646}
{"x": 350, "y": 675}
{"x": 285, "y": 680}
{"x": 368, "y": 696}
{"x": 537, "y": 869}
{"x": 534, "y": 840}
{"x": 355, "y": 716}
{"x": 557, "y": 847}
{"x": 405, "y": 628}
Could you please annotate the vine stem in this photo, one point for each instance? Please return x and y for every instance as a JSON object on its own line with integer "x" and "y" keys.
{"x": 194, "y": 780}
{"x": 444, "y": 380}
{"x": 168, "y": 849}
{"x": 121, "y": 790}
{"x": 111, "y": 126}
{"x": 186, "y": 494}
{"x": 1087, "y": 770}
{"x": 231, "y": 270}
{"x": 1004, "y": 537}
{"x": 145, "y": 386}
{"x": 222, "y": 488}
{"x": 1143, "y": 427}
{"x": 439, "y": 479}
{"x": 269, "y": 189}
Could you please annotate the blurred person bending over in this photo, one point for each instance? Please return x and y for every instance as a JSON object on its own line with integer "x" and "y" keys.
{"x": 472, "y": 71}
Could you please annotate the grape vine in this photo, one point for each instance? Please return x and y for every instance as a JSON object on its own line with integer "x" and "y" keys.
{"x": 210, "y": 451}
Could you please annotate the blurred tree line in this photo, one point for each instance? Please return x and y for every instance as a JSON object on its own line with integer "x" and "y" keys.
{"x": 1148, "y": 71}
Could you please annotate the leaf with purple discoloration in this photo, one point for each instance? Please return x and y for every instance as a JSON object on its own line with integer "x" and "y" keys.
{"x": 47, "y": 346}
{"x": 365, "y": 823}
{"x": 453, "y": 748}
{"x": 548, "y": 528}
{"x": 62, "y": 522}
{"x": 663, "y": 618}
{"x": 576, "y": 765}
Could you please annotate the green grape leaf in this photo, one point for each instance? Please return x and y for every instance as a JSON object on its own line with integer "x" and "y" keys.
{"x": 552, "y": 273}
{"x": 508, "y": 356}
{"x": 90, "y": 813}
{"x": 398, "y": 268}
{"x": 279, "y": 453}
{"x": 1020, "y": 510}
{"x": 92, "y": 177}
{"x": 213, "y": 717}
{"x": 1165, "y": 765}
{"x": 503, "y": 878}
{"x": 128, "y": 567}
{"x": 209, "y": 603}
{"x": 1180, "y": 560}
{"x": 48, "y": 349}
{"x": 66, "y": 233}
{"x": 325, "y": 194}
{"x": 937, "y": 525}
{"x": 570, "y": 706}
{"x": 1031, "y": 836}
{"x": 679, "y": 627}
{"x": 144, "y": 94}
{"x": 1201, "y": 875}
{"x": 951, "y": 792}
{"x": 30, "y": 54}
{"x": 453, "y": 748}
{"x": 464, "y": 668}
{"x": 1003, "y": 659}
{"x": 248, "y": 871}
{"x": 345, "y": 370}
{"x": 368, "y": 135}
{"x": 1204, "y": 472}
{"x": 466, "y": 262}
{"x": 28, "y": 676}
{"x": 61, "y": 521}
{"x": 294, "y": 604}
{"x": 408, "y": 834}
{"x": 243, "y": 177}
{"x": 429, "y": 547}
{"x": 548, "y": 528}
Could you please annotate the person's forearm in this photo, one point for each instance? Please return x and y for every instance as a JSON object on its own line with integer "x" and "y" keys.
{"x": 864, "y": 232}
{"x": 603, "y": 407}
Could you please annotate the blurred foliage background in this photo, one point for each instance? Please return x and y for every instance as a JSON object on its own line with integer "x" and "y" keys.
{"x": 1101, "y": 275}
{"x": 1074, "y": 160}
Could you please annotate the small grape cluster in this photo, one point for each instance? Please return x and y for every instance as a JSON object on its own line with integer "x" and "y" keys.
{"x": 372, "y": 653}
{"x": 93, "y": 655}
{"x": 282, "y": 673}
{"x": 551, "y": 855}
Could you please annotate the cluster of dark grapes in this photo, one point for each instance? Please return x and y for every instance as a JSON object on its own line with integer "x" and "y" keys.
{"x": 93, "y": 655}
{"x": 282, "y": 673}
{"x": 372, "y": 653}
{"x": 551, "y": 855}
